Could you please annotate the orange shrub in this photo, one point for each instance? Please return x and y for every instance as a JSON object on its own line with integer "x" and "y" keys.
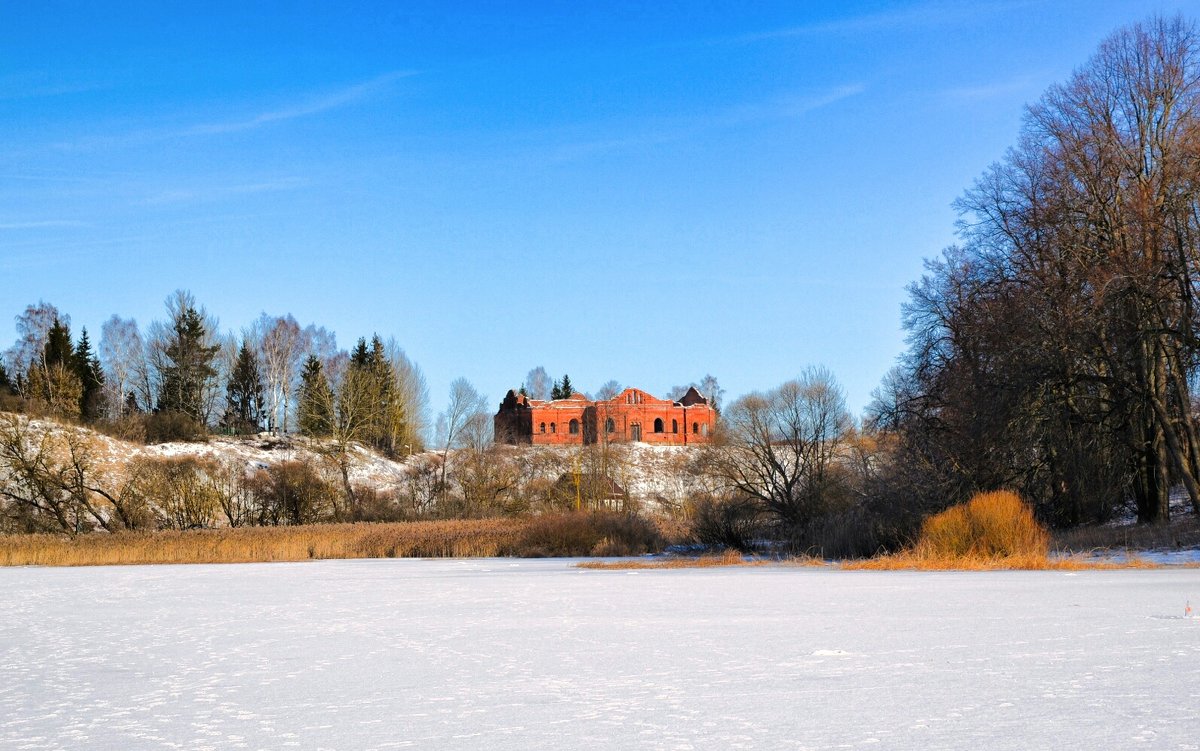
{"x": 995, "y": 524}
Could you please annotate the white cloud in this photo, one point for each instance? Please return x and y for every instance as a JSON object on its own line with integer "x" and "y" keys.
{"x": 314, "y": 106}
{"x": 334, "y": 100}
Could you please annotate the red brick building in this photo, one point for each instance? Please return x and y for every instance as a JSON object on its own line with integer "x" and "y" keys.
{"x": 632, "y": 415}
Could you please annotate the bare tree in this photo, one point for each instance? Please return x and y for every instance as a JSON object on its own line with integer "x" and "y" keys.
{"x": 48, "y": 477}
{"x": 121, "y": 352}
{"x": 410, "y": 419}
{"x": 282, "y": 344}
{"x": 33, "y": 330}
{"x": 537, "y": 384}
{"x": 608, "y": 390}
{"x": 1055, "y": 349}
{"x": 465, "y": 407}
{"x": 779, "y": 447}
{"x": 708, "y": 387}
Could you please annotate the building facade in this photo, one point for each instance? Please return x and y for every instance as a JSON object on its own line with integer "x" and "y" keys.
{"x": 633, "y": 415}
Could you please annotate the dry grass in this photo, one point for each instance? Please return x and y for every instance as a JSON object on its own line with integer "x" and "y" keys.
{"x": 990, "y": 525}
{"x": 249, "y": 544}
{"x": 729, "y": 558}
{"x": 597, "y": 534}
{"x": 559, "y": 534}
{"x": 911, "y": 561}
{"x": 993, "y": 531}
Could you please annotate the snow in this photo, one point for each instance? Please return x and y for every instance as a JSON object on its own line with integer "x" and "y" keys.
{"x": 508, "y": 654}
{"x": 657, "y": 475}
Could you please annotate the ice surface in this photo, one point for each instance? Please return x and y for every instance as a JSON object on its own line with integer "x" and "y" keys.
{"x": 506, "y": 654}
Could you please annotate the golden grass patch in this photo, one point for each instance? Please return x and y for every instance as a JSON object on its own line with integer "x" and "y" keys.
{"x": 487, "y": 537}
{"x": 558, "y": 534}
{"x": 993, "y": 531}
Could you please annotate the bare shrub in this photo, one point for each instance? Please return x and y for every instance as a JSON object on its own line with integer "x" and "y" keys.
{"x": 725, "y": 522}
{"x": 595, "y": 533}
{"x": 168, "y": 427}
{"x": 177, "y": 490}
{"x": 294, "y": 492}
{"x": 374, "y": 505}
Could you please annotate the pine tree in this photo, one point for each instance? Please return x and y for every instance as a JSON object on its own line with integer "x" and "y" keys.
{"x": 6, "y": 385}
{"x": 91, "y": 378}
{"x": 244, "y": 393}
{"x": 315, "y": 408}
{"x": 361, "y": 357}
{"x": 58, "y": 349}
{"x": 189, "y": 369}
{"x": 53, "y": 379}
{"x": 562, "y": 390}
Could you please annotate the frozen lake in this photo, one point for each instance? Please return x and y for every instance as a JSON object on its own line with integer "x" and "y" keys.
{"x": 519, "y": 654}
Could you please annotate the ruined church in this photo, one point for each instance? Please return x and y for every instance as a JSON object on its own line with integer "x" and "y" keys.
{"x": 632, "y": 415}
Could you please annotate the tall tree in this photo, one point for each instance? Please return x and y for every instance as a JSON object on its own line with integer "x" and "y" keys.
{"x": 33, "y": 327}
{"x": 53, "y": 378}
{"x": 187, "y": 368}
{"x": 466, "y": 406}
{"x": 91, "y": 379}
{"x": 122, "y": 354}
{"x": 562, "y": 389}
{"x": 244, "y": 393}
{"x": 1055, "y": 349}
{"x": 316, "y": 404}
{"x": 282, "y": 344}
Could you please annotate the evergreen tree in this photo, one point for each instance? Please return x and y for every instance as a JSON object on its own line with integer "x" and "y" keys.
{"x": 53, "y": 379}
{"x": 315, "y": 400}
{"x": 374, "y": 381}
{"x": 58, "y": 349}
{"x": 189, "y": 366}
{"x": 563, "y": 389}
{"x": 6, "y": 385}
{"x": 91, "y": 378}
{"x": 361, "y": 357}
{"x": 244, "y": 393}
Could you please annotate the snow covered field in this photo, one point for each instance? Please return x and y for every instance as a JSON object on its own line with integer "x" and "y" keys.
{"x": 507, "y": 654}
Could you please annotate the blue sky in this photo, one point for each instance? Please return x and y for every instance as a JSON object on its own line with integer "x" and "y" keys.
{"x": 646, "y": 192}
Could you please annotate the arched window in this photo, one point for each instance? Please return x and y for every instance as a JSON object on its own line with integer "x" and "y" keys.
{"x": 553, "y": 428}
{"x": 610, "y": 426}
{"x": 674, "y": 426}
{"x": 658, "y": 425}
{"x": 573, "y": 427}
{"x": 542, "y": 428}
{"x": 695, "y": 427}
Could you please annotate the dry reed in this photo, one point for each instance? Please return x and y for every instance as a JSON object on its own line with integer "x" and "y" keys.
{"x": 488, "y": 537}
{"x": 729, "y": 558}
{"x": 558, "y": 534}
{"x": 991, "y": 531}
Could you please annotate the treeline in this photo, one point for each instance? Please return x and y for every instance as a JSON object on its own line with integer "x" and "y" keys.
{"x": 181, "y": 378}
{"x": 1055, "y": 349}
